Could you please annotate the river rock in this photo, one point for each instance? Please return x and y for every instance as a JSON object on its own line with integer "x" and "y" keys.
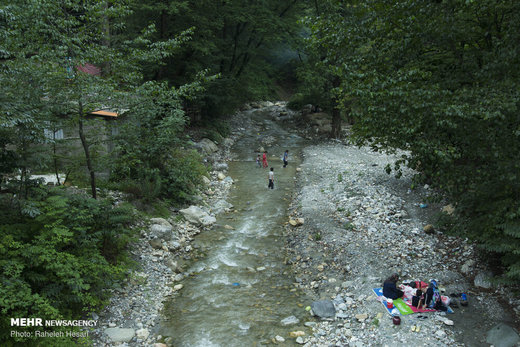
{"x": 290, "y": 321}
{"x": 173, "y": 265}
{"x": 221, "y": 166}
{"x": 120, "y": 334}
{"x": 278, "y": 338}
{"x": 429, "y": 229}
{"x": 502, "y": 335}
{"x": 299, "y": 340}
{"x": 467, "y": 267}
{"x": 221, "y": 176}
{"x": 440, "y": 333}
{"x": 164, "y": 232}
{"x": 296, "y": 333}
{"x": 228, "y": 142}
{"x": 220, "y": 206}
{"x": 361, "y": 317}
{"x": 155, "y": 243}
{"x": 197, "y": 216}
{"x": 300, "y": 221}
{"x": 158, "y": 344}
{"x": 160, "y": 221}
{"x": 142, "y": 334}
{"x": 207, "y": 146}
{"x": 482, "y": 280}
{"x": 206, "y": 181}
{"x": 178, "y": 287}
{"x": 323, "y": 309}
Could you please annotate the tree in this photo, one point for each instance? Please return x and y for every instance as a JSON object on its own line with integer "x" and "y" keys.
{"x": 73, "y": 60}
{"x": 440, "y": 81}
{"x": 231, "y": 38}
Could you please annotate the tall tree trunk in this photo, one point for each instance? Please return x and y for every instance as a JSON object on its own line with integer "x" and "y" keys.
{"x": 87, "y": 152}
{"x": 336, "y": 115}
{"x": 54, "y": 156}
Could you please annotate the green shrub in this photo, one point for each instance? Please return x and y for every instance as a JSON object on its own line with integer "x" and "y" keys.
{"x": 297, "y": 102}
{"x": 59, "y": 256}
{"x": 182, "y": 175}
{"x": 213, "y": 135}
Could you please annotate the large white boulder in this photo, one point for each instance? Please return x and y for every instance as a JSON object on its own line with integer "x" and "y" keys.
{"x": 207, "y": 146}
{"x": 197, "y": 216}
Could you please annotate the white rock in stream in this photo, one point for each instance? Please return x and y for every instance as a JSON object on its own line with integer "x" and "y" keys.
{"x": 290, "y": 321}
{"x": 197, "y": 216}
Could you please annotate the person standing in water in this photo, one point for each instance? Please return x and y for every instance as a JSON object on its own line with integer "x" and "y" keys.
{"x": 270, "y": 177}
{"x": 264, "y": 160}
{"x": 285, "y": 158}
{"x": 258, "y": 161}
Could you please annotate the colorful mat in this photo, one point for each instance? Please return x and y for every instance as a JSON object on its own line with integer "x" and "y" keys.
{"x": 400, "y": 306}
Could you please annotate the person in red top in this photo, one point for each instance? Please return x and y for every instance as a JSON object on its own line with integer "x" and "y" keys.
{"x": 264, "y": 160}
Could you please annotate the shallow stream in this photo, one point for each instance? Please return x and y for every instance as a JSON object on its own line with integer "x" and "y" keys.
{"x": 242, "y": 289}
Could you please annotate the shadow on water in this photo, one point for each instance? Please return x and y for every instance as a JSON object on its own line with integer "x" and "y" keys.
{"x": 241, "y": 289}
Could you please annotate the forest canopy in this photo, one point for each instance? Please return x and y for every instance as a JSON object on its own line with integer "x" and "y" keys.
{"x": 439, "y": 80}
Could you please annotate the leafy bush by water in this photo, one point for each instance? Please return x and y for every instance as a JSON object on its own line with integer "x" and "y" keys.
{"x": 58, "y": 255}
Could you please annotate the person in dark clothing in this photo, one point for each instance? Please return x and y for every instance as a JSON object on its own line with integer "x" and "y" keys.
{"x": 285, "y": 158}
{"x": 418, "y": 298}
{"x": 390, "y": 290}
{"x": 432, "y": 298}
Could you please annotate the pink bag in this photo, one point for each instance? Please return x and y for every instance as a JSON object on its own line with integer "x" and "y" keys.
{"x": 445, "y": 300}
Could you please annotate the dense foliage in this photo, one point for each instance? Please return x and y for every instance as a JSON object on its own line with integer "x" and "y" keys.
{"x": 235, "y": 39}
{"x": 151, "y": 163}
{"x": 58, "y": 253}
{"x": 440, "y": 80}
{"x": 61, "y": 251}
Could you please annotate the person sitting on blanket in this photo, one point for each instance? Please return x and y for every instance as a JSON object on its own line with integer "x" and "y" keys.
{"x": 418, "y": 298}
{"x": 390, "y": 290}
{"x": 432, "y": 298}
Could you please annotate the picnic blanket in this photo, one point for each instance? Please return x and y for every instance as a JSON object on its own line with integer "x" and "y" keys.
{"x": 401, "y": 306}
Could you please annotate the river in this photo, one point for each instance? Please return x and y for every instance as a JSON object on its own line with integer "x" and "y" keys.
{"x": 241, "y": 289}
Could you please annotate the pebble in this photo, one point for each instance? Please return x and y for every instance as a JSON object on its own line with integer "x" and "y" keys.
{"x": 296, "y": 333}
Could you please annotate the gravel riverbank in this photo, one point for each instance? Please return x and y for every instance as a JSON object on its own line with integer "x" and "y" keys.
{"x": 361, "y": 225}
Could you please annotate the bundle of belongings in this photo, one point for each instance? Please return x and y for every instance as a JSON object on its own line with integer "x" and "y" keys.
{"x": 414, "y": 297}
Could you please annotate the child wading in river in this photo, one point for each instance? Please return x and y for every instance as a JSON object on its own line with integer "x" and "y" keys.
{"x": 270, "y": 177}
{"x": 285, "y": 158}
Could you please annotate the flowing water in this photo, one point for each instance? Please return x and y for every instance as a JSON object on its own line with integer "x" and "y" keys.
{"x": 241, "y": 289}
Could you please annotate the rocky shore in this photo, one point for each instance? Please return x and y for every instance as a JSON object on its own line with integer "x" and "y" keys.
{"x": 163, "y": 246}
{"x": 361, "y": 225}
